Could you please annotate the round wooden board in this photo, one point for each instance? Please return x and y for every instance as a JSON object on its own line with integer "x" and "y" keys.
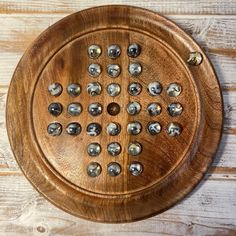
{"x": 57, "y": 165}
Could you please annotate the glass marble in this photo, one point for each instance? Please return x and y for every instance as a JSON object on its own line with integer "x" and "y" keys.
{"x": 113, "y": 89}
{"x": 94, "y": 169}
{"x": 134, "y": 148}
{"x": 133, "y": 108}
{"x": 55, "y": 109}
{"x": 154, "y": 88}
{"x": 113, "y": 169}
{"x": 135, "y": 168}
{"x": 195, "y": 58}
{"x": 113, "y": 70}
{"x": 74, "y": 109}
{"x": 94, "y": 129}
{"x": 73, "y": 128}
{"x": 94, "y": 51}
{"x": 134, "y": 128}
{"x": 175, "y": 109}
{"x": 94, "y": 149}
{"x": 54, "y": 129}
{"x": 94, "y": 70}
{"x": 133, "y": 50}
{"x": 114, "y": 51}
{"x": 135, "y": 68}
{"x": 114, "y": 148}
{"x": 95, "y": 109}
{"x": 55, "y": 89}
{"x": 73, "y": 90}
{"x": 134, "y": 89}
{"x": 113, "y": 128}
{"x": 154, "y": 128}
{"x": 154, "y": 109}
{"x": 174, "y": 129}
{"x": 94, "y": 89}
{"x": 174, "y": 90}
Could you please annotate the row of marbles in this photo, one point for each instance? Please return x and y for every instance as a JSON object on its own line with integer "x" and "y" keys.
{"x": 114, "y": 128}
{"x": 94, "y": 169}
{"x": 113, "y": 51}
{"x": 113, "y": 89}
{"x": 133, "y": 108}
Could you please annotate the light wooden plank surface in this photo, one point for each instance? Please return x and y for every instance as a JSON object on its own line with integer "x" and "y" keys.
{"x": 25, "y": 212}
{"x": 209, "y": 210}
{"x": 215, "y": 34}
{"x": 165, "y": 7}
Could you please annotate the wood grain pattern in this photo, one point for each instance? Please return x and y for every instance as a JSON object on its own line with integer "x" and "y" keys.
{"x": 38, "y": 216}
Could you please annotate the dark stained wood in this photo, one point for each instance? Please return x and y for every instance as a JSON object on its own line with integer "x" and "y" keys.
{"x": 56, "y": 166}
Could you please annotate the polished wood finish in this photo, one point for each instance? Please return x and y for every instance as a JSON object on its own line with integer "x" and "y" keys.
{"x": 172, "y": 166}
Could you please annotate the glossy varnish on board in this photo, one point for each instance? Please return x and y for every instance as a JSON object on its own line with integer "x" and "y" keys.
{"x": 57, "y": 166}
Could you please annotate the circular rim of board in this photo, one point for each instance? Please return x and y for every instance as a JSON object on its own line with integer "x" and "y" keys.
{"x": 98, "y": 207}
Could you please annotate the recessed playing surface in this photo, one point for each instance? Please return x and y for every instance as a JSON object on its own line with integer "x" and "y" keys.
{"x": 143, "y": 87}
{"x": 120, "y": 117}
